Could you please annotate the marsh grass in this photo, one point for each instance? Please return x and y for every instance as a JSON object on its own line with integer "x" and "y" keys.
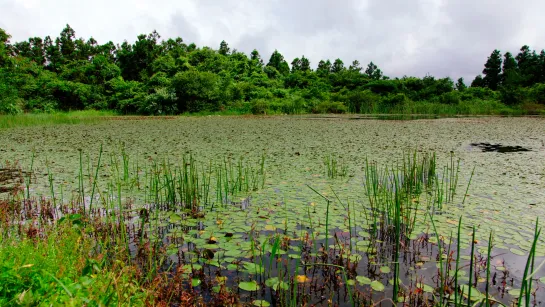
{"x": 335, "y": 167}
{"x": 56, "y": 269}
{"x": 166, "y": 240}
{"x": 45, "y": 119}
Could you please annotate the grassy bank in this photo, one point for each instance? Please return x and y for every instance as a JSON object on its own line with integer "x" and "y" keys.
{"x": 272, "y": 108}
{"x": 57, "y": 266}
{"x": 44, "y": 119}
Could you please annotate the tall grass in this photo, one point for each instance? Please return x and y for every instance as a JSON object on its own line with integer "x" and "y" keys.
{"x": 44, "y": 119}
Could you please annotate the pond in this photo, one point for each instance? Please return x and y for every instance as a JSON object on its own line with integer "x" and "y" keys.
{"x": 277, "y": 184}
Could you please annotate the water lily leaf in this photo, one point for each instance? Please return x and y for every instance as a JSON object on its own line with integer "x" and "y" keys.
{"x": 253, "y": 268}
{"x": 355, "y": 258}
{"x": 475, "y": 294}
{"x": 271, "y": 281}
{"x": 514, "y": 292}
{"x": 249, "y": 285}
{"x": 270, "y": 227}
{"x": 517, "y": 252}
{"x": 174, "y": 218}
{"x": 261, "y": 303}
{"x": 377, "y": 286}
{"x": 195, "y": 282}
{"x": 385, "y": 270}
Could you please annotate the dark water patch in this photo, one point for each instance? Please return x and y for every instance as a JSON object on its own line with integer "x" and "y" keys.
{"x": 487, "y": 147}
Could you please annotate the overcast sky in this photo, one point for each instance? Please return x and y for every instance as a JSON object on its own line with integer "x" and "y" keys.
{"x": 403, "y": 37}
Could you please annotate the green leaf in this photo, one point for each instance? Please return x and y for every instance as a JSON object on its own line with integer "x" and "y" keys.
{"x": 377, "y": 286}
{"x": 249, "y": 285}
{"x": 261, "y": 303}
{"x": 363, "y": 280}
{"x": 195, "y": 282}
{"x": 385, "y": 270}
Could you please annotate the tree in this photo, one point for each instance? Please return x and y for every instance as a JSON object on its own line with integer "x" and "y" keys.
{"x": 324, "y": 68}
{"x": 53, "y": 55}
{"x": 460, "y": 85}
{"x": 492, "y": 70}
{"x": 528, "y": 64}
{"x": 510, "y": 74}
{"x": 373, "y": 71}
{"x": 277, "y": 62}
{"x": 478, "y": 82}
{"x": 542, "y": 66}
{"x": 224, "y": 48}
{"x": 338, "y": 66}
{"x": 4, "y": 48}
{"x": 67, "y": 45}
{"x": 196, "y": 91}
{"x": 355, "y": 67}
{"x": 305, "y": 64}
{"x": 296, "y": 65}
{"x": 135, "y": 60}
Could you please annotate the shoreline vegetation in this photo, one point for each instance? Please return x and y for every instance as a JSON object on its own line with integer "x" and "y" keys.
{"x": 93, "y": 116}
{"x": 157, "y": 76}
{"x": 193, "y": 244}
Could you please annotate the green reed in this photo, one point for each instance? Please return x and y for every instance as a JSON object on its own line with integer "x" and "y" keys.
{"x": 335, "y": 167}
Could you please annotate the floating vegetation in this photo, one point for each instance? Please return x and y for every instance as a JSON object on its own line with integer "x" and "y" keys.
{"x": 244, "y": 230}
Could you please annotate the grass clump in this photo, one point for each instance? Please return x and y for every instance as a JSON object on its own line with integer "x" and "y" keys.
{"x": 44, "y": 119}
{"x": 54, "y": 268}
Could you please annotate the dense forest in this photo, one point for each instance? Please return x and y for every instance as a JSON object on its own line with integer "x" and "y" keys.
{"x": 156, "y": 76}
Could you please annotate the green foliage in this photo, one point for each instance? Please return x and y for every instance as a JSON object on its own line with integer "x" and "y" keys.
{"x": 336, "y": 107}
{"x": 154, "y": 76}
{"x": 57, "y": 270}
{"x": 196, "y": 91}
{"x": 460, "y": 85}
{"x": 492, "y": 70}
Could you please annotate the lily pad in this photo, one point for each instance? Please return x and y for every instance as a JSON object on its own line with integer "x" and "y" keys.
{"x": 377, "y": 286}
{"x": 385, "y": 270}
{"x": 517, "y": 252}
{"x": 249, "y": 285}
{"x": 261, "y": 303}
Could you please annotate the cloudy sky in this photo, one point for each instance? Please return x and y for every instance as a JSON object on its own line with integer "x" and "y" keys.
{"x": 404, "y": 37}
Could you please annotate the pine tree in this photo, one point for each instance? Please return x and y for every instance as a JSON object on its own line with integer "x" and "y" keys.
{"x": 492, "y": 70}
{"x": 224, "y": 48}
{"x": 373, "y": 71}
{"x": 510, "y": 74}
{"x": 478, "y": 82}
{"x": 338, "y": 66}
{"x": 305, "y": 64}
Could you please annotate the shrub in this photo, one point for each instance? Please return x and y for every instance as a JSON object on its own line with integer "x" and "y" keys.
{"x": 451, "y": 98}
{"x": 259, "y": 106}
{"x": 335, "y": 107}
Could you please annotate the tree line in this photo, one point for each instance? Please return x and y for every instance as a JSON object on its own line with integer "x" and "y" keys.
{"x": 157, "y": 76}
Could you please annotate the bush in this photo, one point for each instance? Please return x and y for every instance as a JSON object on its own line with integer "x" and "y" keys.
{"x": 335, "y": 107}
{"x": 197, "y": 91}
{"x": 538, "y": 93}
{"x": 514, "y": 95}
{"x": 451, "y": 98}
{"x": 362, "y": 101}
{"x": 532, "y": 108}
{"x": 479, "y": 92}
{"x": 259, "y": 106}
{"x": 393, "y": 100}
